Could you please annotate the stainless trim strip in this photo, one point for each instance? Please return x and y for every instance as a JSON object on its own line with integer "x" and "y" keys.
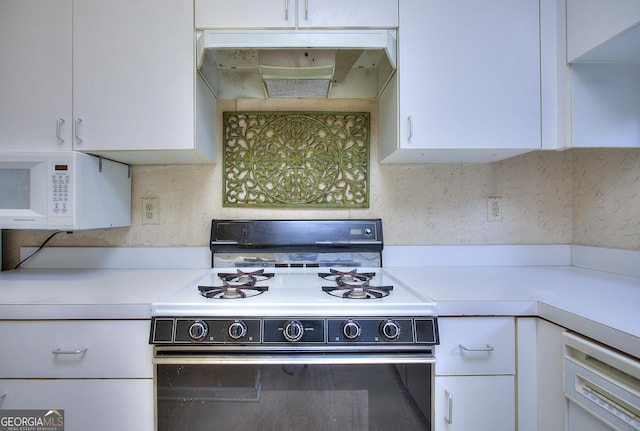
{"x": 311, "y": 358}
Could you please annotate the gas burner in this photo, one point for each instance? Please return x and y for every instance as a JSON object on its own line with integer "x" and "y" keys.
{"x": 245, "y": 277}
{"x": 358, "y": 291}
{"x": 232, "y": 290}
{"x": 353, "y": 285}
{"x": 344, "y": 278}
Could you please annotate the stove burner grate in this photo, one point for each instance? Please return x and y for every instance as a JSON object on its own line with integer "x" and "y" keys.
{"x": 358, "y": 292}
{"x": 232, "y": 291}
{"x": 347, "y": 277}
{"x": 246, "y": 277}
{"x": 353, "y": 285}
{"x": 237, "y": 285}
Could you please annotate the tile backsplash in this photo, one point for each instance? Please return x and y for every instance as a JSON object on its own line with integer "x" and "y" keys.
{"x": 579, "y": 196}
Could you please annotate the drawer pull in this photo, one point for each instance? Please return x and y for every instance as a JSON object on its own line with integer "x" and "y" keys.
{"x": 449, "y": 418}
{"x": 59, "y": 351}
{"x": 487, "y": 348}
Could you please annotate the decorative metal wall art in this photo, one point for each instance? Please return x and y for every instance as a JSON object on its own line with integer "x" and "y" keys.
{"x": 296, "y": 159}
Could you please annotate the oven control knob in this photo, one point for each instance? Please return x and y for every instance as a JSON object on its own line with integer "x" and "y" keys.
{"x": 351, "y": 330}
{"x": 390, "y": 329}
{"x": 198, "y": 330}
{"x": 293, "y": 330}
{"x": 237, "y": 330}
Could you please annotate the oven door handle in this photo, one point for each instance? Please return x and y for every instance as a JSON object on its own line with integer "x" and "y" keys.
{"x": 285, "y": 358}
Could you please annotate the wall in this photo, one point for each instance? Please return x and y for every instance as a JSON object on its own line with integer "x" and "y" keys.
{"x": 580, "y": 196}
{"x": 606, "y": 196}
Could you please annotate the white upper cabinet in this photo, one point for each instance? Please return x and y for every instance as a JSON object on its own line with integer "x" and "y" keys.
{"x": 295, "y": 13}
{"x": 114, "y": 78}
{"x": 603, "y": 30}
{"x": 347, "y": 13}
{"x": 133, "y": 80}
{"x": 468, "y": 82}
{"x": 606, "y": 105}
{"x": 35, "y": 81}
{"x": 245, "y": 13}
{"x": 603, "y": 45}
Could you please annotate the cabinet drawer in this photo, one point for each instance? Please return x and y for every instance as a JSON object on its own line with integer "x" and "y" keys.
{"x": 75, "y": 349}
{"x": 91, "y": 404}
{"x": 475, "y": 345}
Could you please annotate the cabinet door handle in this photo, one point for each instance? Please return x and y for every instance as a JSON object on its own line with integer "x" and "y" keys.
{"x": 59, "y": 351}
{"x": 76, "y": 133}
{"x": 286, "y": 10}
{"x": 487, "y": 348}
{"x": 306, "y": 10}
{"x": 59, "y": 124}
{"x": 449, "y": 418}
{"x": 410, "y": 120}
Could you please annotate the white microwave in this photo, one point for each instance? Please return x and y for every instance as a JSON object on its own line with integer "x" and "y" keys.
{"x": 63, "y": 190}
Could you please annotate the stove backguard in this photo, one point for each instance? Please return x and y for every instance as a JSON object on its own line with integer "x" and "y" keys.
{"x": 296, "y": 243}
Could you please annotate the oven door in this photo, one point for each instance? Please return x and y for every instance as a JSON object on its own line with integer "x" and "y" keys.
{"x": 306, "y": 392}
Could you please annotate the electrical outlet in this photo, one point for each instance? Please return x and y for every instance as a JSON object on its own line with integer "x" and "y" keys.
{"x": 150, "y": 210}
{"x": 494, "y": 208}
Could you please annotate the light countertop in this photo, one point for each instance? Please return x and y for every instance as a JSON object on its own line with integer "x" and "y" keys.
{"x": 601, "y": 305}
{"x": 87, "y": 293}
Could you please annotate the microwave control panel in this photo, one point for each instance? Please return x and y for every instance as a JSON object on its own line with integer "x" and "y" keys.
{"x": 60, "y": 190}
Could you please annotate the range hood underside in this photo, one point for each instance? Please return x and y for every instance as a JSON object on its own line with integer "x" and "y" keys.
{"x": 234, "y": 63}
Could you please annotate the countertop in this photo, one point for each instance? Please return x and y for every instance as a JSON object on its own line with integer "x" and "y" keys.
{"x": 598, "y": 304}
{"x": 87, "y": 293}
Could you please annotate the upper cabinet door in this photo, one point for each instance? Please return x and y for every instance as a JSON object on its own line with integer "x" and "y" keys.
{"x": 245, "y": 13}
{"x": 35, "y": 82}
{"x": 603, "y": 31}
{"x": 347, "y": 13}
{"x": 226, "y": 14}
{"x": 469, "y": 74}
{"x": 133, "y": 75}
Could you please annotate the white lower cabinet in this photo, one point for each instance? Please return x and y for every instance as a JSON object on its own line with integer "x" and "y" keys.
{"x": 479, "y": 403}
{"x": 88, "y": 404}
{"x": 475, "y": 374}
{"x": 100, "y": 372}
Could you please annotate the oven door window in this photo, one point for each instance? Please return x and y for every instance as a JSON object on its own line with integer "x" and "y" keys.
{"x": 306, "y": 397}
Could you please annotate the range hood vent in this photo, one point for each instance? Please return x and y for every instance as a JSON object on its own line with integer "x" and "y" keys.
{"x": 293, "y": 63}
{"x": 297, "y": 73}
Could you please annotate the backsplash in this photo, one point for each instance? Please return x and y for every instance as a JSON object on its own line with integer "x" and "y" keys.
{"x": 606, "y": 196}
{"x": 580, "y": 196}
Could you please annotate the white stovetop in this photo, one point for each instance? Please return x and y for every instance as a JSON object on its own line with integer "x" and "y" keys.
{"x": 500, "y": 280}
{"x": 294, "y": 291}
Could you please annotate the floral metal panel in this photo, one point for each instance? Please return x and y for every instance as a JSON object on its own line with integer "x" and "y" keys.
{"x": 296, "y": 159}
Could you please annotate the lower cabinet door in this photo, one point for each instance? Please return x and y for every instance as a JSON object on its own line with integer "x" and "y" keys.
{"x": 88, "y": 404}
{"x": 478, "y": 403}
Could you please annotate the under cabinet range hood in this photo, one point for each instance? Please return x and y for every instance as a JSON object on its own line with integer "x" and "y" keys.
{"x": 295, "y": 63}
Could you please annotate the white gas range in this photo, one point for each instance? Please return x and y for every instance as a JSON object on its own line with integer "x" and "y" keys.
{"x": 295, "y": 306}
{"x": 281, "y": 283}
{"x": 296, "y": 326}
